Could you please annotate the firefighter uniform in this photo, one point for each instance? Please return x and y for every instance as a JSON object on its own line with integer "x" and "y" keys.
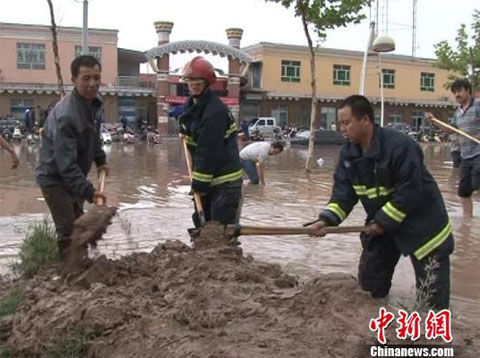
{"x": 210, "y": 132}
{"x": 398, "y": 192}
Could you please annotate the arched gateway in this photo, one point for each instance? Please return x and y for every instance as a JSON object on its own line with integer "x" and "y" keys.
{"x": 158, "y": 57}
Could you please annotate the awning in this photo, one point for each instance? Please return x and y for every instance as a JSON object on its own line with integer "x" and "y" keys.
{"x": 335, "y": 98}
{"x": 25, "y": 88}
{"x": 229, "y": 101}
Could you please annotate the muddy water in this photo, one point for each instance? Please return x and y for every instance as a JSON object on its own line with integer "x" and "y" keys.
{"x": 150, "y": 185}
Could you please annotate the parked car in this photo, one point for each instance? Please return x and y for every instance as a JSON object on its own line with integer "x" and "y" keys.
{"x": 321, "y": 137}
{"x": 263, "y": 126}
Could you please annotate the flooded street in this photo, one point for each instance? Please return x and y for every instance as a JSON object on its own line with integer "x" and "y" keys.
{"x": 149, "y": 184}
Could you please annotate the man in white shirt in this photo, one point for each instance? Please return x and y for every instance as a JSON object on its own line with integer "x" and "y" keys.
{"x": 253, "y": 156}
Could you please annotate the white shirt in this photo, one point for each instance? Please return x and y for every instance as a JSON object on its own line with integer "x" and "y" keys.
{"x": 256, "y": 152}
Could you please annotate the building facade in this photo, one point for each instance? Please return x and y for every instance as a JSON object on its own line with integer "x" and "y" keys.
{"x": 28, "y": 77}
{"x": 279, "y": 85}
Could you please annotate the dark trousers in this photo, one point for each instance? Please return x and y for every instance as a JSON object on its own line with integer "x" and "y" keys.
{"x": 469, "y": 176}
{"x": 456, "y": 158}
{"x": 250, "y": 168}
{"x": 379, "y": 257}
{"x": 65, "y": 209}
{"x": 222, "y": 204}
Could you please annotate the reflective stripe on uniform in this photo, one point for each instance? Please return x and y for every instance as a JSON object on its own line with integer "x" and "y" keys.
{"x": 337, "y": 210}
{"x": 393, "y": 212}
{"x": 227, "y": 177}
{"x": 231, "y": 129}
{"x": 434, "y": 242}
{"x": 206, "y": 178}
{"x": 190, "y": 140}
{"x": 372, "y": 193}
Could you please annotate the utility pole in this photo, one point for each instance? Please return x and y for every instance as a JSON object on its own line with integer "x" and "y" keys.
{"x": 414, "y": 29}
{"x": 85, "y": 28}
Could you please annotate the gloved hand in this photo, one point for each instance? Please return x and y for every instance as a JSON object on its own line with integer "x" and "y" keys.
{"x": 318, "y": 229}
{"x": 104, "y": 167}
{"x": 374, "y": 229}
{"x": 99, "y": 198}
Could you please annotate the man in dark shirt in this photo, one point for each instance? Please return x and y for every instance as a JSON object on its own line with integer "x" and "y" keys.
{"x": 70, "y": 144}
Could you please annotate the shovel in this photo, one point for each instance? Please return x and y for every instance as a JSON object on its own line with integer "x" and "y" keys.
{"x": 231, "y": 231}
{"x": 456, "y": 130}
{"x": 88, "y": 229}
{"x": 196, "y": 197}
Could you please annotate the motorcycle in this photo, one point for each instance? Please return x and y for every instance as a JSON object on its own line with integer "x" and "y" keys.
{"x": 153, "y": 137}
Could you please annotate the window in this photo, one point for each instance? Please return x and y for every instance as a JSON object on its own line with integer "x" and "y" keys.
{"x": 377, "y": 114}
{"x": 418, "y": 119}
{"x": 270, "y": 122}
{"x": 341, "y": 75}
{"x": 30, "y": 56}
{"x": 305, "y": 113}
{"x": 427, "y": 82}
{"x": 18, "y": 106}
{"x": 327, "y": 117}
{"x": 92, "y": 51}
{"x": 280, "y": 114}
{"x": 290, "y": 71}
{"x": 388, "y": 78}
{"x": 395, "y": 118}
{"x": 256, "y": 74}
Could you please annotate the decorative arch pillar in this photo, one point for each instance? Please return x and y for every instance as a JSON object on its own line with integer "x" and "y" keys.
{"x": 163, "y": 29}
{"x": 239, "y": 62}
{"x": 234, "y": 36}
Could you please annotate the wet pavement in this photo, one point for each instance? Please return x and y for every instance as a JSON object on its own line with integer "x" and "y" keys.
{"x": 149, "y": 184}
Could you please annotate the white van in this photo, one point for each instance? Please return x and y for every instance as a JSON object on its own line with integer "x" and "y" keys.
{"x": 265, "y": 126}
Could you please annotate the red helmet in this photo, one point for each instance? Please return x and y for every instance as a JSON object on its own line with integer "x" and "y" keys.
{"x": 198, "y": 67}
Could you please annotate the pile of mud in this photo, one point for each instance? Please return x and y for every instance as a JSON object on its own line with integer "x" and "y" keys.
{"x": 204, "y": 302}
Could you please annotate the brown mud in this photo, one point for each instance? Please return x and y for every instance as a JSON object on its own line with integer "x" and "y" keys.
{"x": 210, "y": 301}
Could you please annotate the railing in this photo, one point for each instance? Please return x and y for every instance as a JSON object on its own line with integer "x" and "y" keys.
{"x": 128, "y": 81}
{"x": 133, "y": 81}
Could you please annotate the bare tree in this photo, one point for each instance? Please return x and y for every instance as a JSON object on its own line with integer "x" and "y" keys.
{"x": 323, "y": 15}
{"x": 53, "y": 27}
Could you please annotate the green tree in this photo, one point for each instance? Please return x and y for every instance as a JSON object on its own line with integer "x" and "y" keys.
{"x": 463, "y": 60}
{"x": 322, "y": 15}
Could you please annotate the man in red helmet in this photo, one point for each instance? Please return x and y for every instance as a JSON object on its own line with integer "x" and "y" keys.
{"x": 210, "y": 132}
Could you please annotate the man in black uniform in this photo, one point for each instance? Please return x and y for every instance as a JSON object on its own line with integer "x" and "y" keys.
{"x": 406, "y": 215}
{"x": 210, "y": 132}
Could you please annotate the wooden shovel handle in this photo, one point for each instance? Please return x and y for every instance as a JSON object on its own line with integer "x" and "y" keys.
{"x": 456, "y": 130}
{"x": 278, "y": 230}
{"x": 196, "y": 196}
{"x": 101, "y": 186}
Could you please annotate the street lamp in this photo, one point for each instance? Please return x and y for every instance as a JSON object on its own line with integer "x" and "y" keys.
{"x": 365, "y": 55}
{"x": 85, "y": 27}
{"x": 381, "y": 44}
